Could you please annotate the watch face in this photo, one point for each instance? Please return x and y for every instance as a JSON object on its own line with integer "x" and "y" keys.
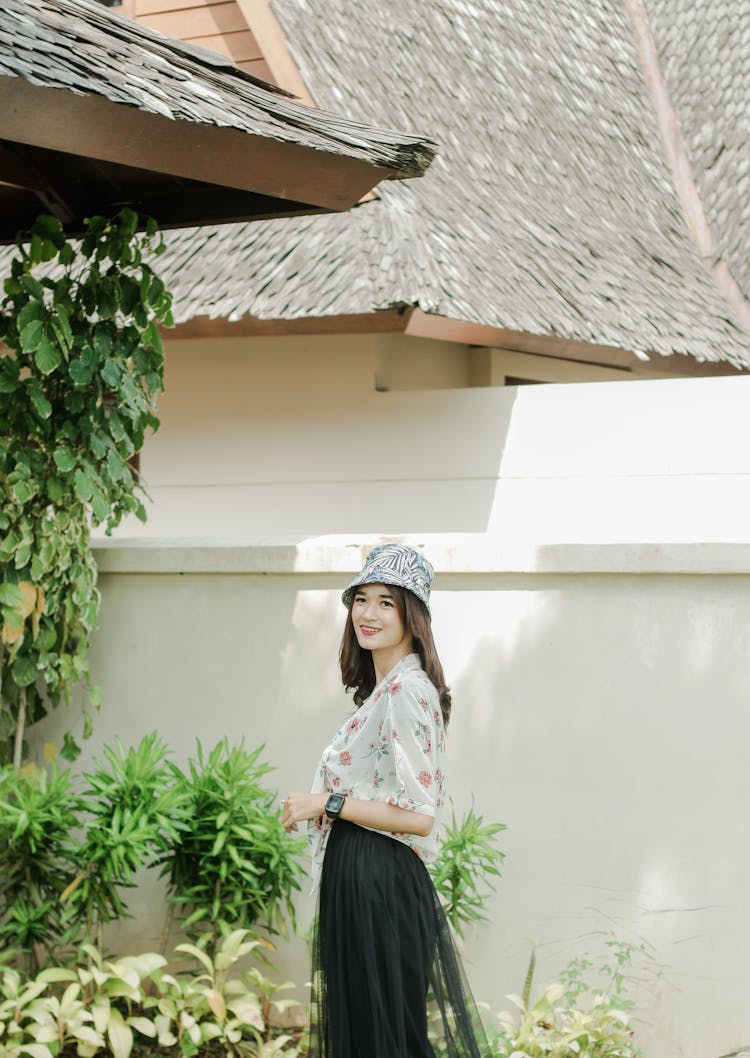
{"x": 335, "y": 803}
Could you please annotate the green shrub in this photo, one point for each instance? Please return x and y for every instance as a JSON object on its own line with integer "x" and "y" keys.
{"x": 231, "y": 862}
{"x": 132, "y": 811}
{"x": 215, "y": 830}
{"x": 37, "y": 858}
{"x": 466, "y": 866}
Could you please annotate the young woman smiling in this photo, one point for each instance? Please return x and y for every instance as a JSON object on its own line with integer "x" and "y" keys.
{"x": 382, "y": 948}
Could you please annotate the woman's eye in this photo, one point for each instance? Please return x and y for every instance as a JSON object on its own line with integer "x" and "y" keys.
{"x": 387, "y": 602}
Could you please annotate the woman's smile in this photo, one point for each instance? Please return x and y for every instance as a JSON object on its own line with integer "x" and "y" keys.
{"x": 393, "y": 640}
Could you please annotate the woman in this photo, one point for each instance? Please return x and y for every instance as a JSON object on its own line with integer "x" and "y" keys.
{"x": 382, "y": 948}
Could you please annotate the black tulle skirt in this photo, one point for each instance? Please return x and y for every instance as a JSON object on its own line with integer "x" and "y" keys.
{"x": 386, "y": 979}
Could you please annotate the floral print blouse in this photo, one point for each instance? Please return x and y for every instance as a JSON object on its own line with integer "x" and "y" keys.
{"x": 392, "y": 749}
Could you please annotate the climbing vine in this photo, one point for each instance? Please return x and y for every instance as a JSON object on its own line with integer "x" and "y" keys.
{"x": 81, "y": 363}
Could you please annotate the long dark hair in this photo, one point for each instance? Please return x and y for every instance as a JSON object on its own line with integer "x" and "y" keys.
{"x": 358, "y": 668}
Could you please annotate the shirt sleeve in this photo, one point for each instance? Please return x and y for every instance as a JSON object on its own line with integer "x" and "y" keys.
{"x": 411, "y": 721}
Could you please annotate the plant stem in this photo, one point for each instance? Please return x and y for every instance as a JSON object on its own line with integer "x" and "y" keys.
{"x": 168, "y": 921}
{"x": 526, "y": 993}
{"x": 18, "y": 747}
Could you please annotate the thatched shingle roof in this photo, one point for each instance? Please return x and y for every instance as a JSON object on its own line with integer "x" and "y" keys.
{"x": 87, "y": 86}
{"x": 549, "y": 210}
{"x": 705, "y": 53}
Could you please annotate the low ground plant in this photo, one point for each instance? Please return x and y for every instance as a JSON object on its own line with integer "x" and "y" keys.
{"x": 134, "y": 1004}
{"x": 586, "y": 1013}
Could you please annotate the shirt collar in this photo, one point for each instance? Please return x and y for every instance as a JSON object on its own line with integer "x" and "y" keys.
{"x": 405, "y": 664}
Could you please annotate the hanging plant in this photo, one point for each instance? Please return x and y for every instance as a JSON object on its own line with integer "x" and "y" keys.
{"x": 81, "y": 363}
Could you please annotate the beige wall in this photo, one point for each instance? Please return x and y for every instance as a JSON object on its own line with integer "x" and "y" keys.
{"x": 592, "y": 543}
{"x": 291, "y": 435}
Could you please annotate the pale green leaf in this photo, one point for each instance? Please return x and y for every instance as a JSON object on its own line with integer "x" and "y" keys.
{"x": 119, "y": 1034}
{"x": 144, "y": 1026}
{"x": 190, "y": 949}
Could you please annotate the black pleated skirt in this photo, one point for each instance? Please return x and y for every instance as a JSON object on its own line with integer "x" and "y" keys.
{"x": 387, "y": 981}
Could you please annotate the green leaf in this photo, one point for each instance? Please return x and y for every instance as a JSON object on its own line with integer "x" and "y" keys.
{"x": 80, "y": 372}
{"x": 152, "y": 337}
{"x": 47, "y": 356}
{"x": 83, "y": 487}
{"x": 107, "y": 305}
{"x": 156, "y": 290}
{"x": 61, "y": 326}
{"x": 67, "y": 255}
{"x": 55, "y": 489}
{"x": 112, "y": 373}
{"x": 48, "y": 227}
{"x": 23, "y": 554}
{"x": 128, "y": 222}
{"x": 32, "y": 310}
{"x": 31, "y": 335}
{"x": 130, "y": 295}
{"x": 10, "y": 595}
{"x": 24, "y": 671}
{"x": 102, "y": 340}
{"x": 65, "y": 458}
{"x": 98, "y": 442}
{"x": 36, "y": 1050}
{"x": 99, "y": 507}
{"x": 40, "y": 402}
{"x": 70, "y": 750}
{"x": 119, "y": 1034}
{"x": 22, "y": 491}
{"x": 32, "y": 286}
{"x": 8, "y": 382}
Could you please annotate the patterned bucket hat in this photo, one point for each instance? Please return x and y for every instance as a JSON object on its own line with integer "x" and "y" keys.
{"x": 394, "y": 564}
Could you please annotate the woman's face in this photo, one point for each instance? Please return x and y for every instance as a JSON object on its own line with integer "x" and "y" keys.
{"x": 376, "y": 620}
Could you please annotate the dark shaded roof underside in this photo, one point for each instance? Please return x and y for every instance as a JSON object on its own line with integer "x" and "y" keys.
{"x": 548, "y": 210}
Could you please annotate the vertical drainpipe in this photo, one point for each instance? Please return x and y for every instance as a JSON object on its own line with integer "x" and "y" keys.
{"x": 681, "y": 167}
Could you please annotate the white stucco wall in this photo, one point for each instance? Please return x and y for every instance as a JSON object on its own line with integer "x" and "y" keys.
{"x": 592, "y": 608}
{"x": 602, "y": 717}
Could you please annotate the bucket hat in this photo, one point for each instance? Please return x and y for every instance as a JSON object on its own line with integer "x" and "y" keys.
{"x": 394, "y": 564}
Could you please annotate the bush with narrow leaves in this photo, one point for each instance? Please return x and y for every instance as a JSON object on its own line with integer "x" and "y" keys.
{"x": 232, "y": 861}
{"x": 466, "y": 867}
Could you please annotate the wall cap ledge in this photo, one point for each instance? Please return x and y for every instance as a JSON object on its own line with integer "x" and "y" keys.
{"x": 459, "y": 553}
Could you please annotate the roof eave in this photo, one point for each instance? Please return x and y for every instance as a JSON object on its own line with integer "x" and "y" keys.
{"x": 409, "y": 320}
{"x": 95, "y": 127}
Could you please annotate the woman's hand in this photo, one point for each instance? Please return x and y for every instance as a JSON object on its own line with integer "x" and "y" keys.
{"x": 301, "y": 806}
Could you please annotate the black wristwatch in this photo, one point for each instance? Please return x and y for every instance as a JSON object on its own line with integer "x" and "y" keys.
{"x": 334, "y": 804}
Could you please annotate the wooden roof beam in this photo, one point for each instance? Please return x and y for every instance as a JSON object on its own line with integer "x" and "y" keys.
{"x": 95, "y": 127}
{"x": 271, "y": 39}
{"x": 425, "y": 325}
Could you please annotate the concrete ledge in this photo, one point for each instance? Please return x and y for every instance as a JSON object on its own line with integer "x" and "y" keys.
{"x": 450, "y": 553}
